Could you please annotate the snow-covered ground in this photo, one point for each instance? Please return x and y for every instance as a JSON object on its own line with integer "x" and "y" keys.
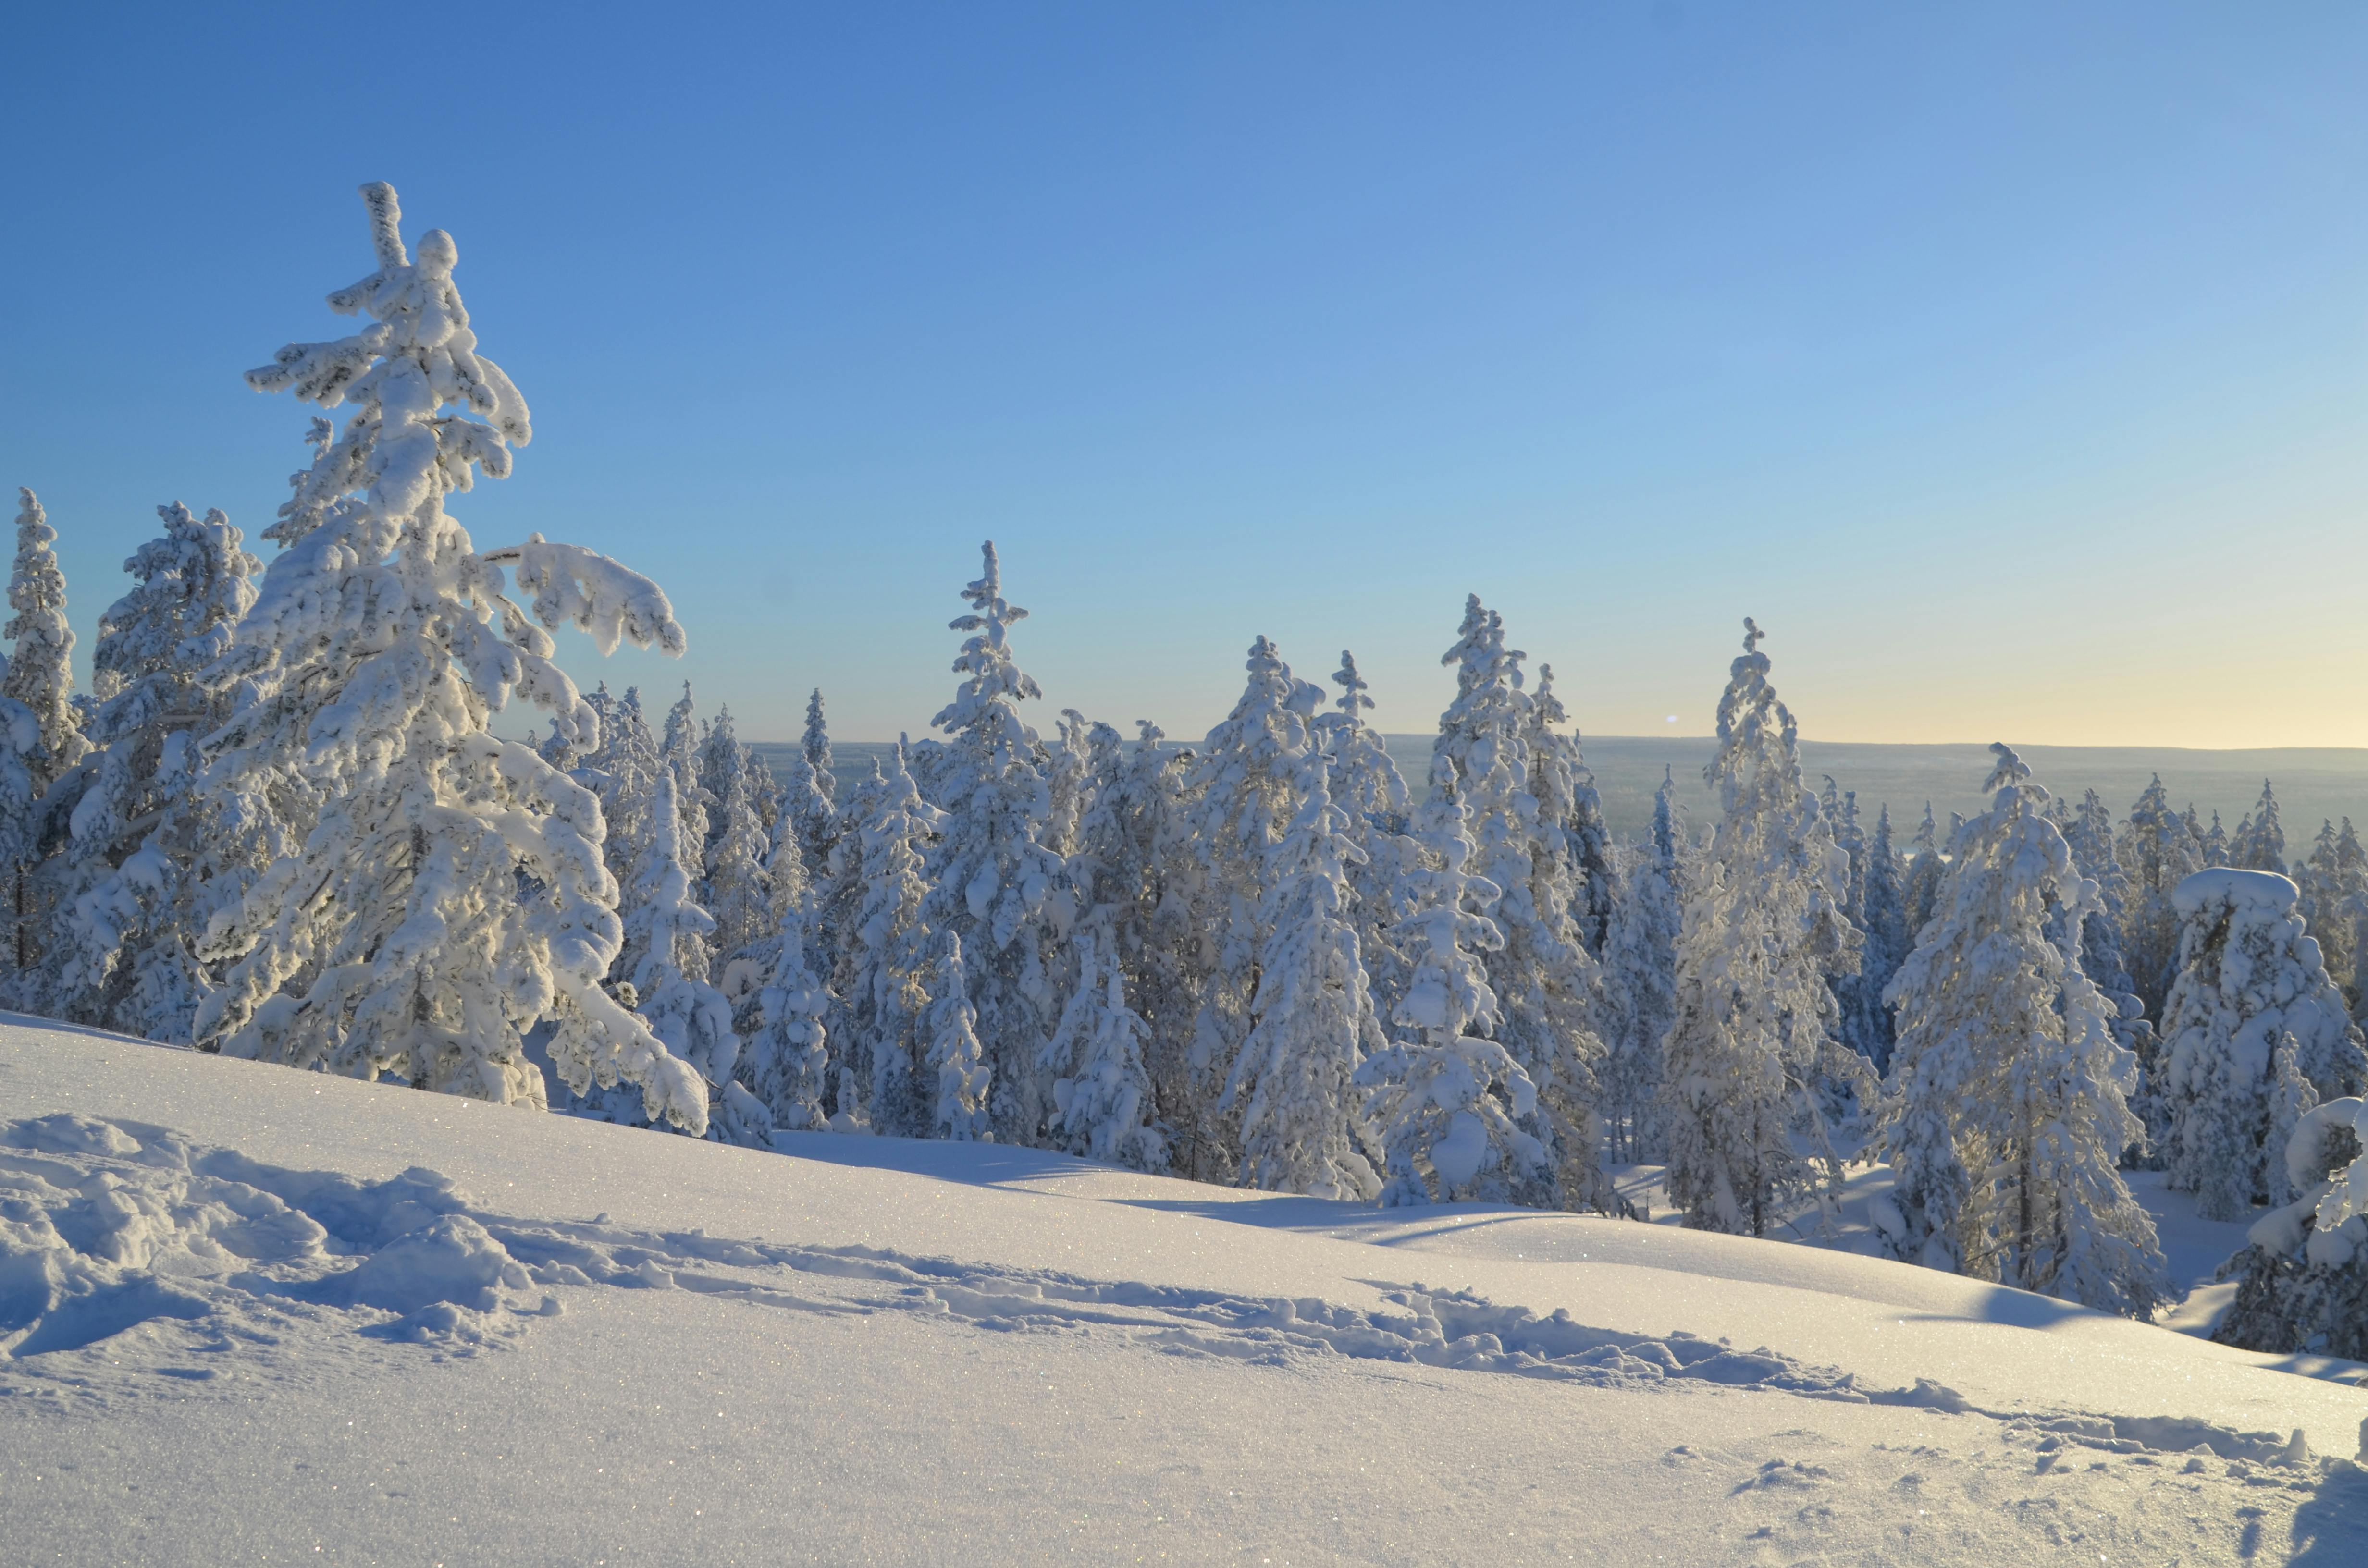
{"x": 252, "y": 1315}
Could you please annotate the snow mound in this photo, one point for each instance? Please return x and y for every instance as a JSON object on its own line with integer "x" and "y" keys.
{"x": 107, "y": 1227}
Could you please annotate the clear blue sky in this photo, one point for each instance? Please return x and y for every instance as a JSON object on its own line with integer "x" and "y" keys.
{"x": 2006, "y": 361}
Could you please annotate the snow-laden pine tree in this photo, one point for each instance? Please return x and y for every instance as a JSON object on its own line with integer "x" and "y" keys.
{"x": 2088, "y": 830}
{"x": 1134, "y": 875}
{"x": 957, "y": 1061}
{"x": 678, "y": 753}
{"x": 1883, "y": 922}
{"x": 1447, "y": 1104}
{"x": 1101, "y": 1090}
{"x": 2216, "y": 848}
{"x": 2259, "y": 844}
{"x": 739, "y": 888}
{"x": 2007, "y": 1114}
{"x": 2254, "y": 1034}
{"x": 1572, "y": 808}
{"x": 1365, "y": 784}
{"x": 1841, "y": 808}
{"x": 2334, "y": 883}
{"x": 1750, "y": 1060}
{"x": 452, "y": 895}
{"x": 993, "y": 876}
{"x": 718, "y": 760}
{"x": 38, "y": 676}
{"x": 1544, "y": 982}
{"x": 622, "y": 768}
{"x": 2157, "y": 851}
{"x": 151, "y": 859}
{"x": 674, "y": 936}
{"x": 810, "y": 795}
{"x": 40, "y": 672}
{"x": 886, "y": 990}
{"x": 2302, "y": 1278}
{"x": 1311, "y": 1017}
{"x": 1928, "y": 866}
{"x": 1244, "y": 790}
{"x": 1640, "y": 980}
{"x": 1069, "y": 784}
{"x": 787, "y": 1061}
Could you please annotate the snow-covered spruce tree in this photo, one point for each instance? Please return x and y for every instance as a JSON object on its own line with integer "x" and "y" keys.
{"x": 39, "y": 676}
{"x": 1640, "y": 980}
{"x": 1883, "y": 922}
{"x": 40, "y": 672}
{"x": 886, "y": 994}
{"x": 622, "y": 770}
{"x": 810, "y": 794}
{"x": 1544, "y": 982}
{"x": 787, "y": 1061}
{"x": 1928, "y": 866}
{"x": 1752, "y": 1055}
{"x": 1244, "y": 790}
{"x": 1068, "y": 783}
{"x": 675, "y": 939}
{"x": 2261, "y": 841}
{"x": 2334, "y": 883}
{"x": 718, "y": 761}
{"x": 992, "y": 878}
{"x": 678, "y": 753}
{"x": 957, "y": 1061}
{"x": 739, "y": 888}
{"x": 2254, "y": 1033}
{"x": 2302, "y": 1278}
{"x": 1102, "y": 1091}
{"x": 1446, "y": 1105}
{"x": 1365, "y": 784}
{"x": 2088, "y": 830}
{"x": 1570, "y": 804}
{"x": 1840, "y": 811}
{"x": 152, "y": 858}
{"x": 1133, "y": 875}
{"x": 1311, "y": 1017}
{"x": 2008, "y": 1116}
{"x": 2157, "y": 852}
{"x": 452, "y": 895}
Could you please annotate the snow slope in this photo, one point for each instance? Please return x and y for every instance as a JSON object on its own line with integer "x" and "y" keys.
{"x": 256, "y": 1315}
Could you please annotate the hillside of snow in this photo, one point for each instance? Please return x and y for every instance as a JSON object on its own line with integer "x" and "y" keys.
{"x": 253, "y": 1315}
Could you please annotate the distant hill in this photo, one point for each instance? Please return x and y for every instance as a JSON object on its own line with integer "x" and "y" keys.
{"x": 2312, "y": 782}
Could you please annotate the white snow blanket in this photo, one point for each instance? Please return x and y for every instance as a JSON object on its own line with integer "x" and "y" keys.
{"x": 251, "y": 1314}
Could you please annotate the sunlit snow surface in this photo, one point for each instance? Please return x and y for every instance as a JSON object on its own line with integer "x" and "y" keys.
{"x": 250, "y": 1314}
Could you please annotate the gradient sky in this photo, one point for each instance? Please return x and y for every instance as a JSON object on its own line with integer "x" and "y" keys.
{"x": 2009, "y": 363}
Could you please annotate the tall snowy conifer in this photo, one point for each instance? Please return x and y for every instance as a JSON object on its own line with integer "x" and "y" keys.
{"x": 2254, "y": 1034}
{"x": 739, "y": 888}
{"x": 2007, "y": 1116}
{"x": 1544, "y": 980}
{"x": 674, "y": 936}
{"x": 152, "y": 859}
{"x": 1640, "y": 980}
{"x": 1246, "y": 789}
{"x": 2261, "y": 841}
{"x": 1311, "y": 1016}
{"x": 1753, "y": 1052}
{"x": 1572, "y": 808}
{"x": 452, "y": 895}
{"x": 2334, "y": 883}
{"x": 1102, "y": 1091}
{"x": 886, "y": 992}
{"x": 956, "y": 1060}
{"x": 1884, "y": 920}
{"x": 1927, "y": 867}
{"x": 811, "y": 795}
{"x": 787, "y": 1061}
{"x": 1447, "y": 1104}
{"x": 39, "y": 678}
{"x": 40, "y": 672}
{"x": 1365, "y": 784}
{"x": 993, "y": 875}
{"x": 2157, "y": 852}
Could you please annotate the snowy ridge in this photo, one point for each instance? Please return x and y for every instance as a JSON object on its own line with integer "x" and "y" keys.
{"x": 115, "y": 1225}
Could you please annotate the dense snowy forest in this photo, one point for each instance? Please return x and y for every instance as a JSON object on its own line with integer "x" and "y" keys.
{"x": 280, "y": 826}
